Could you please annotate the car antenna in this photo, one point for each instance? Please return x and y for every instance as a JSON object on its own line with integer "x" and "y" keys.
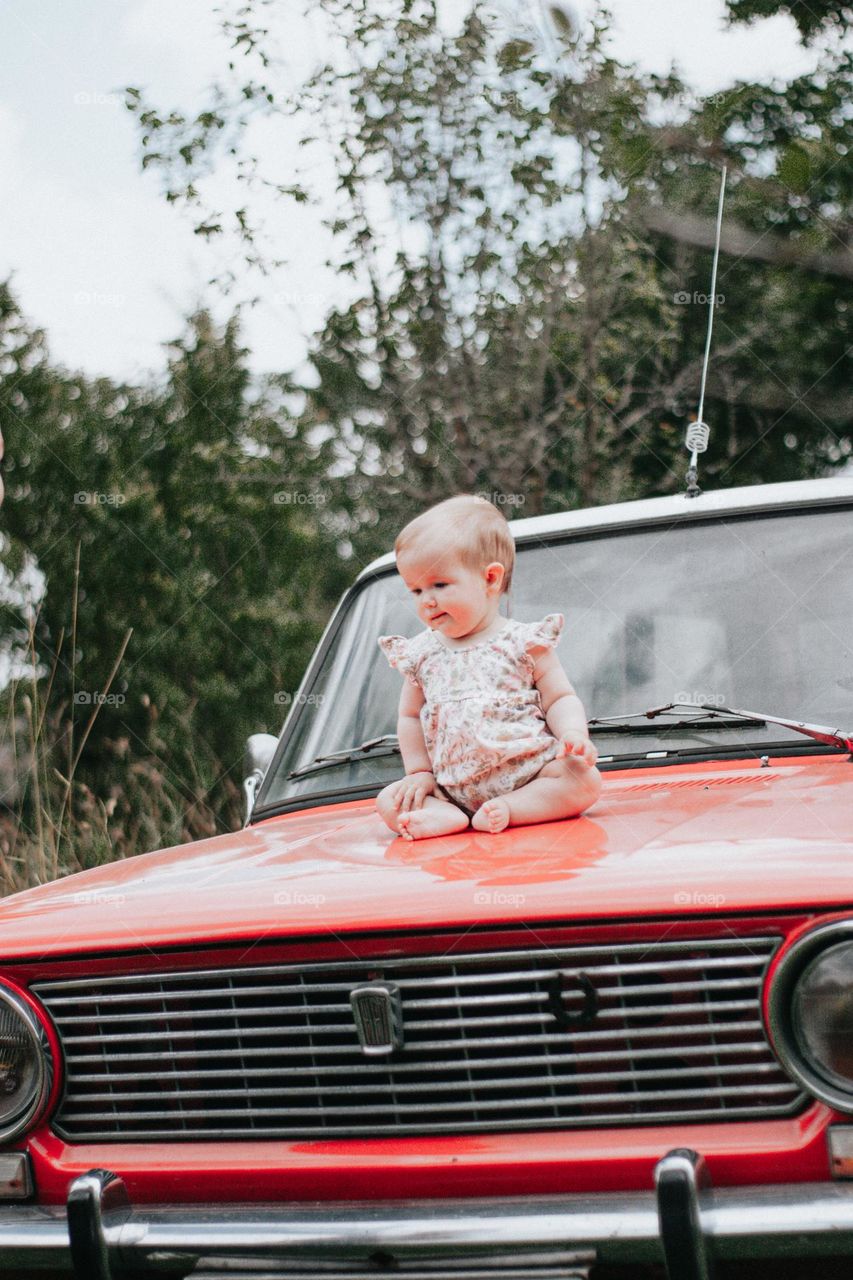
{"x": 699, "y": 431}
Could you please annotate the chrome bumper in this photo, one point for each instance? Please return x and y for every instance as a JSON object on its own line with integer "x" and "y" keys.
{"x": 99, "y": 1236}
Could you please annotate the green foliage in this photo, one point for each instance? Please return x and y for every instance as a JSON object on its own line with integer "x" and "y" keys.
{"x": 528, "y": 334}
{"x": 193, "y": 515}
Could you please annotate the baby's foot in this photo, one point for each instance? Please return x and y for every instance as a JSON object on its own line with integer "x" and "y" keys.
{"x": 420, "y": 824}
{"x": 492, "y": 816}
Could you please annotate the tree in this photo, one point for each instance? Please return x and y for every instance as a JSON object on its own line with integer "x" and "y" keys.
{"x": 181, "y": 529}
{"x": 529, "y": 335}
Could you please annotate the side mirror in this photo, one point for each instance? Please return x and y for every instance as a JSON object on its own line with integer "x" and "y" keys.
{"x": 259, "y": 752}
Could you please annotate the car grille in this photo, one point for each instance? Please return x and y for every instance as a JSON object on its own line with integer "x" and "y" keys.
{"x": 635, "y": 1033}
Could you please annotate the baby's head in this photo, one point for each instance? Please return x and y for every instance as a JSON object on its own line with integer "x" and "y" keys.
{"x": 466, "y": 531}
{"x": 467, "y": 527}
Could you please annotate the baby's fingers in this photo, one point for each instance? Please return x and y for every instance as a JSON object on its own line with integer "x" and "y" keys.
{"x": 397, "y": 796}
{"x": 406, "y": 800}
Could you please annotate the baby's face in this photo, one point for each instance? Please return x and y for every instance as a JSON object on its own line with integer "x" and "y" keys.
{"x": 449, "y": 596}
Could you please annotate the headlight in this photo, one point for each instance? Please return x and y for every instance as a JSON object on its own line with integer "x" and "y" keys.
{"x": 811, "y": 1013}
{"x": 25, "y": 1066}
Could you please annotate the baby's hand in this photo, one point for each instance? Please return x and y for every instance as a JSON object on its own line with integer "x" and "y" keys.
{"x": 412, "y": 790}
{"x": 578, "y": 744}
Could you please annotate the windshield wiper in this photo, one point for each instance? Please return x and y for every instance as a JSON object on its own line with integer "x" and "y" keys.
{"x": 387, "y": 745}
{"x": 832, "y": 737}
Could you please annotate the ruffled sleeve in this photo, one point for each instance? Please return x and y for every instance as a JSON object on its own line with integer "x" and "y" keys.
{"x": 541, "y": 636}
{"x": 397, "y": 651}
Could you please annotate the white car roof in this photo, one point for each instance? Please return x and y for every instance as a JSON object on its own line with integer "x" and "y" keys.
{"x": 754, "y": 497}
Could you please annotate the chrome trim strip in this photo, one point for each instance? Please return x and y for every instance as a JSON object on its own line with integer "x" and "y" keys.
{"x": 587, "y": 1077}
{"x": 563, "y": 955}
{"x": 506, "y": 998}
{"x": 251, "y": 1033}
{"x": 638, "y": 1034}
{"x": 492, "y": 1104}
{"x": 533, "y": 1060}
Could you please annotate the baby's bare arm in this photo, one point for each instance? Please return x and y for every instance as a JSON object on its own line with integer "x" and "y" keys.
{"x": 409, "y": 731}
{"x": 564, "y": 712}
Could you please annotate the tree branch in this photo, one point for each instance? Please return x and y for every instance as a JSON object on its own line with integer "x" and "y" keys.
{"x": 743, "y": 242}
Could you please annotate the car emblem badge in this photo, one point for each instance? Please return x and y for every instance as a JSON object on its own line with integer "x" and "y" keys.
{"x": 378, "y": 1012}
{"x": 577, "y": 986}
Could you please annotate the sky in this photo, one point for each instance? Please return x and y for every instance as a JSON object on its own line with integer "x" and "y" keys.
{"x": 110, "y": 271}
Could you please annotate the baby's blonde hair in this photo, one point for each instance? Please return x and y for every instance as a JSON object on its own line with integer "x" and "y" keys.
{"x": 469, "y": 526}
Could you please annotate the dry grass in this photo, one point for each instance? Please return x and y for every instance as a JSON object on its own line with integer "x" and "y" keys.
{"x": 51, "y": 821}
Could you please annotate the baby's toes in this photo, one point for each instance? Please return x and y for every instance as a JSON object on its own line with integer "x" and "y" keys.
{"x": 499, "y": 815}
{"x": 492, "y": 816}
{"x": 403, "y": 820}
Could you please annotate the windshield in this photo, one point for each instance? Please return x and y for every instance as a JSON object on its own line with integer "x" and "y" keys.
{"x": 745, "y": 612}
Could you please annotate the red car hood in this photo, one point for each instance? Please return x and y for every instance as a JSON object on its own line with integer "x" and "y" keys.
{"x": 679, "y": 840}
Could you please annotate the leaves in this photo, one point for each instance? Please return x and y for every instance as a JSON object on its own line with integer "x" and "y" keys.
{"x": 171, "y": 495}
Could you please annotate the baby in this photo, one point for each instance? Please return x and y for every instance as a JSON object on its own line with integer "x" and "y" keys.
{"x": 490, "y": 729}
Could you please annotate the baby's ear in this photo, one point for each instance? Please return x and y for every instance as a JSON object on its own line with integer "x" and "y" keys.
{"x": 495, "y": 573}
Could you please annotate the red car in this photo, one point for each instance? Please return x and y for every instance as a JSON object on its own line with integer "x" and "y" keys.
{"x": 617, "y": 1045}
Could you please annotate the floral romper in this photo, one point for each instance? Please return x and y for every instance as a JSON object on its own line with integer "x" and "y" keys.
{"x": 482, "y": 718}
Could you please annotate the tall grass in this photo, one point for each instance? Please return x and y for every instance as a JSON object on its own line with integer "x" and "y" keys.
{"x": 53, "y": 822}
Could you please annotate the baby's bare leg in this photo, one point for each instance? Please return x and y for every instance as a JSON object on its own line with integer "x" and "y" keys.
{"x": 563, "y": 788}
{"x": 436, "y": 818}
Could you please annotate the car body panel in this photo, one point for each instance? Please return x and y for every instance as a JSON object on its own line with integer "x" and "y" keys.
{"x": 498, "y": 1164}
{"x": 734, "y": 835}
